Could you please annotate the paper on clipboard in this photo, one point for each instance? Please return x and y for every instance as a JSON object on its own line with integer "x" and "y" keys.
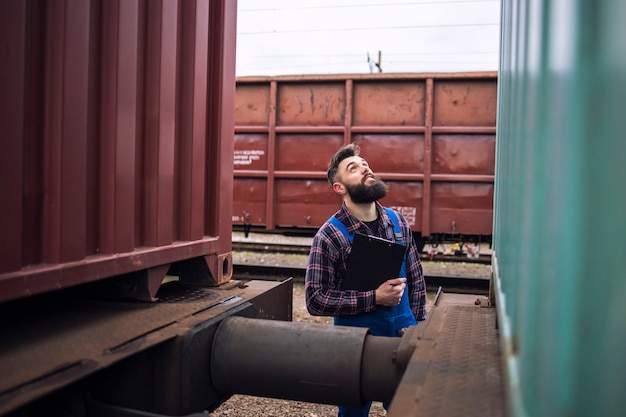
{"x": 372, "y": 261}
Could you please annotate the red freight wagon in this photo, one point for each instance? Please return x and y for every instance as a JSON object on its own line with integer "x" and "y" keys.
{"x": 115, "y": 233}
{"x": 115, "y": 137}
{"x": 430, "y": 136}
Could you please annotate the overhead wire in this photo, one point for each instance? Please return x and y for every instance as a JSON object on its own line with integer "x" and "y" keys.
{"x": 385, "y": 4}
{"x": 391, "y": 58}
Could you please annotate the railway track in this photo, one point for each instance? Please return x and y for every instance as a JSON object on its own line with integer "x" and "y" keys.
{"x": 460, "y": 284}
{"x": 303, "y": 249}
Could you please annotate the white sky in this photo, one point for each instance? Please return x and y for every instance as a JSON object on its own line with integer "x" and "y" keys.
{"x": 285, "y": 37}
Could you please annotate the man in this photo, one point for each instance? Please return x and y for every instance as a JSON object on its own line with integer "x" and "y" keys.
{"x": 398, "y": 302}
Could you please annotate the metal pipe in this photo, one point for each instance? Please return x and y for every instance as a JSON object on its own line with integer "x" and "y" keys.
{"x": 309, "y": 362}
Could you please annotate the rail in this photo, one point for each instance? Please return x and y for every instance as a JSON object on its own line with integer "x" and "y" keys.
{"x": 459, "y": 284}
{"x": 303, "y": 249}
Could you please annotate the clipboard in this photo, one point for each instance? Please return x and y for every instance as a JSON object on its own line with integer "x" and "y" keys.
{"x": 372, "y": 261}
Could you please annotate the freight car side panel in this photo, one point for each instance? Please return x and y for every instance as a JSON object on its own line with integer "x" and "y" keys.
{"x": 467, "y": 103}
{"x": 385, "y": 103}
{"x": 304, "y": 202}
{"x": 301, "y": 104}
{"x": 120, "y": 141}
{"x": 431, "y": 137}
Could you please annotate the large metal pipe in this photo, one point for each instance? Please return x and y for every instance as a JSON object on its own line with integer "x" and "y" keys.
{"x": 309, "y": 362}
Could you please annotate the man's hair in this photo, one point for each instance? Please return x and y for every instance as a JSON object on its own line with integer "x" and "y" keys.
{"x": 343, "y": 153}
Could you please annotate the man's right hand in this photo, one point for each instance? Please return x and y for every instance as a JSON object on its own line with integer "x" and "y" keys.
{"x": 389, "y": 293}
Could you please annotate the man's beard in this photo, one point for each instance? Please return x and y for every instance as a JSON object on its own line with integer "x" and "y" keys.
{"x": 362, "y": 193}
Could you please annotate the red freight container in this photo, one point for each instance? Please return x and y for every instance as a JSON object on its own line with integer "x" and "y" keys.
{"x": 116, "y": 142}
{"x": 430, "y": 136}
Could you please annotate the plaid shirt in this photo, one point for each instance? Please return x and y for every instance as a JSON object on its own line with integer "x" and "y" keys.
{"x": 327, "y": 267}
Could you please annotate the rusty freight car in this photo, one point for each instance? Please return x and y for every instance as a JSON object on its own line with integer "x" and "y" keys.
{"x": 430, "y": 136}
{"x": 116, "y": 176}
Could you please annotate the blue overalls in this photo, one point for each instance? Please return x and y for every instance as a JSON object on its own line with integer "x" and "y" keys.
{"x": 382, "y": 321}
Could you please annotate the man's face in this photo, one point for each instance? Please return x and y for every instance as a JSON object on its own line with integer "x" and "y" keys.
{"x": 361, "y": 184}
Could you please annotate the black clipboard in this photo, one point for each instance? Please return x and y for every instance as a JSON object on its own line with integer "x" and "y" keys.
{"x": 372, "y": 261}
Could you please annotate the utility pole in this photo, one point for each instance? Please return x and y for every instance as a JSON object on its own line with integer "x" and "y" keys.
{"x": 378, "y": 64}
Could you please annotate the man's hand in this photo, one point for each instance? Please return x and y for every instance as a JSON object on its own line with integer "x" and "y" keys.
{"x": 390, "y": 292}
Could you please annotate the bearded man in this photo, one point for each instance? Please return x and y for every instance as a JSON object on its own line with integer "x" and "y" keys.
{"x": 397, "y": 303}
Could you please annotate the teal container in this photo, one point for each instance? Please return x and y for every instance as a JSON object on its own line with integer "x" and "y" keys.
{"x": 560, "y": 207}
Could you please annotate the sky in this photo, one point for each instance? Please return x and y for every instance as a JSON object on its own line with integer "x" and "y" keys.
{"x": 291, "y": 37}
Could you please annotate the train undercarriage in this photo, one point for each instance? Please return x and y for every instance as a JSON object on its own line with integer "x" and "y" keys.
{"x": 69, "y": 354}
{"x": 74, "y": 355}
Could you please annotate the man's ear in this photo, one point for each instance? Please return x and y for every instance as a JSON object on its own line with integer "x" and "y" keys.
{"x": 339, "y": 188}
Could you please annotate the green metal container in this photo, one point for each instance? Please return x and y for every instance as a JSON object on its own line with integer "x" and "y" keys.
{"x": 560, "y": 206}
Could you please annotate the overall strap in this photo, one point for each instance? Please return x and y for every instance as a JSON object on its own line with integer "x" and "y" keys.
{"x": 392, "y": 215}
{"x": 342, "y": 228}
{"x": 398, "y": 234}
{"x": 396, "y": 225}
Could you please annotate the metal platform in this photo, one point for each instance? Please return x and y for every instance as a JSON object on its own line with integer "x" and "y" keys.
{"x": 456, "y": 369}
{"x": 53, "y": 340}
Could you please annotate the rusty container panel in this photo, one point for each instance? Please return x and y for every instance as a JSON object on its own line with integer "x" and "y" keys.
{"x": 250, "y": 190}
{"x": 465, "y": 103}
{"x": 304, "y": 202}
{"x": 465, "y": 206}
{"x": 407, "y": 198}
{"x": 462, "y": 208}
{"x": 311, "y": 104}
{"x": 252, "y": 105}
{"x": 305, "y": 152}
{"x": 387, "y": 103}
{"x": 249, "y": 201}
{"x": 250, "y": 152}
{"x": 464, "y": 154}
{"x": 120, "y": 120}
{"x": 393, "y": 153}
